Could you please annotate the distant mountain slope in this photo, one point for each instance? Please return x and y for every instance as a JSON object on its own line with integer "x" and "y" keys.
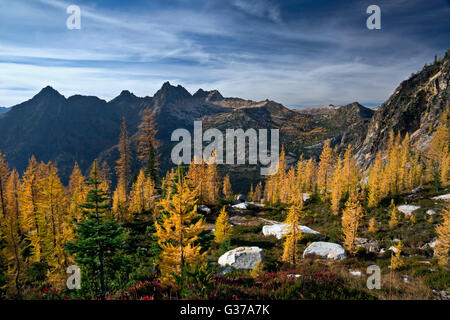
{"x": 3, "y": 110}
{"x": 83, "y": 128}
{"x": 415, "y": 107}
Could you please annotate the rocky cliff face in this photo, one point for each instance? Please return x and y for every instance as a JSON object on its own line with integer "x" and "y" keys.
{"x": 414, "y": 108}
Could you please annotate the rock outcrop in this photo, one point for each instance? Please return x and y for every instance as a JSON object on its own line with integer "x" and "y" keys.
{"x": 325, "y": 250}
{"x": 242, "y": 258}
{"x": 278, "y": 230}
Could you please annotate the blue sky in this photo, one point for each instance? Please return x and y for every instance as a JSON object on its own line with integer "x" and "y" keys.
{"x": 297, "y": 52}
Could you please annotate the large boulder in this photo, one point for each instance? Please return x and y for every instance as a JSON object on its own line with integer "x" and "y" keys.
{"x": 444, "y": 197}
{"x": 325, "y": 250}
{"x": 407, "y": 209}
{"x": 242, "y": 205}
{"x": 278, "y": 230}
{"x": 242, "y": 258}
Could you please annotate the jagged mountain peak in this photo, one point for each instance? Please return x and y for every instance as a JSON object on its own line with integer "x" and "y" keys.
{"x": 213, "y": 95}
{"x": 170, "y": 94}
{"x": 48, "y": 91}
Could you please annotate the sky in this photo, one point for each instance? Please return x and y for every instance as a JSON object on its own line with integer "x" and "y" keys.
{"x": 296, "y": 52}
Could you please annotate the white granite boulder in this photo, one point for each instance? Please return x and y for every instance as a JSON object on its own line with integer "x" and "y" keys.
{"x": 204, "y": 209}
{"x": 242, "y": 258}
{"x": 242, "y": 206}
{"x": 444, "y": 197}
{"x": 325, "y": 250}
{"x": 407, "y": 209}
{"x": 278, "y": 230}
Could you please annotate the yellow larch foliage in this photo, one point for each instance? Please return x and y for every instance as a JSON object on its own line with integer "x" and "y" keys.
{"x": 438, "y": 153}
{"x": 29, "y": 199}
{"x": 4, "y": 173}
{"x": 212, "y": 180}
{"x": 56, "y": 226}
{"x": 77, "y": 191}
{"x": 308, "y": 176}
{"x": 405, "y": 164}
{"x": 396, "y": 258}
{"x": 178, "y": 232}
{"x": 148, "y": 144}
{"x": 142, "y": 194}
{"x": 395, "y": 215}
{"x": 224, "y": 229}
{"x": 197, "y": 177}
{"x": 372, "y": 225}
{"x": 351, "y": 219}
{"x": 375, "y": 182}
{"x": 293, "y": 234}
{"x": 275, "y": 188}
{"x": 350, "y": 172}
{"x": 13, "y": 241}
{"x": 258, "y": 192}
{"x": 337, "y": 185}
{"x": 324, "y": 172}
{"x": 227, "y": 189}
{"x": 442, "y": 248}
{"x": 123, "y": 170}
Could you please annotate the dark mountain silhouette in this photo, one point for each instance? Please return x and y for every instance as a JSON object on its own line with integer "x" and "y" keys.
{"x": 84, "y": 128}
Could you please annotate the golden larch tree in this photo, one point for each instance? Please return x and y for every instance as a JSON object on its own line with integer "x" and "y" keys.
{"x": 14, "y": 245}
{"x": 337, "y": 187}
{"x": 123, "y": 170}
{"x": 148, "y": 144}
{"x": 395, "y": 215}
{"x": 372, "y": 225}
{"x": 178, "y": 231}
{"x": 224, "y": 230}
{"x": 324, "y": 172}
{"x": 29, "y": 199}
{"x": 227, "y": 189}
{"x": 292, "y": 236}
{"x": 375, "y": 181}
{"x": 351, "y": 219}
{"x": 77, "y": 191}
{"x": 441, "y": 250}
{"x": 4, "y": 174}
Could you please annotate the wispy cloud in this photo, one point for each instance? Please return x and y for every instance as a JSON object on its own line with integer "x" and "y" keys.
{"x": 259, "y": 8}
{"x": 301, "y": 55}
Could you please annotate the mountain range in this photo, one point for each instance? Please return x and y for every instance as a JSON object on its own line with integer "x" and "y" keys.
{"x": 84, "y": 128}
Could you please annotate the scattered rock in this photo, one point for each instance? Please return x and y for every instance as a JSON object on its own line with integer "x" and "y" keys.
{"x": 393, "y": 249}
{"x": 443, "y": 294}
{"x": 369, "y": 245}
{"x": 355, "y": 273}
{"x": 294, "y": 276}
{"x": 306, "y": 196}
{"x": 406, "y": 279}
{"x": 407, "y": 209}
{"x": 241, "y": 198}
{"x": 416, "y": 190}
{"x": 204, "y": 209}
{"x": 444, "y": 197}
{"x": 242, "y": 205}
{"x": 242, "y": 258}
{"x": 225, "y": 271}
{"x": 430, "y": 212}
{"x": 278, "y": 230}
{"x": 325, "y": 250}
